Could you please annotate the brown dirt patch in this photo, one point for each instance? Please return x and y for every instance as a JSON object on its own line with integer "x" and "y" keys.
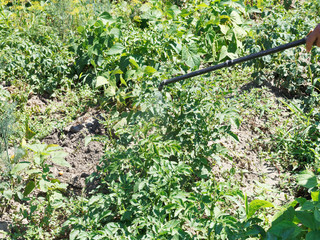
{"x": 253, "y": 172}
{"x": 83, "y": 159}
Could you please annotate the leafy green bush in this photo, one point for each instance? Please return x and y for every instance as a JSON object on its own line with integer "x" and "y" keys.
{"x": 32, "y": 53}
{"x": 301, "y": 218}
{"x": 294, "y": 69}
{"x": 157, "y": 37}
{"x": 156, "y": 175}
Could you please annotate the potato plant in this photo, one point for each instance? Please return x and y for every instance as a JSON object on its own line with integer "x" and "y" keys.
{"x": 156, "y": 178}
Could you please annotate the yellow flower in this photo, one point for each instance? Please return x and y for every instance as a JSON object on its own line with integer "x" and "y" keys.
{"x": 75, "y": 11}
{"x": 135, "y": 2}
{"x": 19, "y": 7}
{"x": 4, "y": 2}
{"x": 35, "y": 6}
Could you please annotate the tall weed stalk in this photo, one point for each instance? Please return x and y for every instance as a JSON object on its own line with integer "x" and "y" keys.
{"x": 6, "y": 122}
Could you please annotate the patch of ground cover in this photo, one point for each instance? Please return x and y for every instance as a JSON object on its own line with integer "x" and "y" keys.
{"x": 82, "y": 156}
{"x": 72, "y": 135}
{"x": 66, "y": 120}
{"x": 258, "y": 170}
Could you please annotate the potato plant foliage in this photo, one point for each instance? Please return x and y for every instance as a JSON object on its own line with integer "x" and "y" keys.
{"x": 155, "y": 179}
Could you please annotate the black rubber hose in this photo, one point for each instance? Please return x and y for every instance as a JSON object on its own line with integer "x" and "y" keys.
{"x": 233, "y": 62}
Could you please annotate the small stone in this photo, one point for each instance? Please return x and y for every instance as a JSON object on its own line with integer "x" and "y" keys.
{"x": 77, "y": 128}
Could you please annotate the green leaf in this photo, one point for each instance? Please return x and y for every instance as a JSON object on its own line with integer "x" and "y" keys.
{"x": 317, "y": 214}
{"x": 74, "y": 234}
{"x": 117, "y": 48}
{"x": 117, "y": 71}
{"x": 106, "y": 18}
{"x": 7, "y": 194}
{"x": 44, "y": 185}
{"x": 313, "y": 235}
{"x": 149, "y": 70}
{"x": 255, "y": 205}
{"x": 224, "y": 29}
{"x": 101, "y": 81}
{"x": 116, "y": 32}
{"x": 37, "y": 148}
{"x": 315, "y": 196}
{"x": 235, "y": 18}
{"x": 239, "y": 31}
{"x": 223, "y": 52}
{"x": 19, "y": 167}
{"x": 111, "y": 91}
{"x": 87, "y": 140}
{"x": 285, "y": 230}
{"x": 190, "y": 56}
{"x": 307, "y": 219}
{"x": 307, "y": 179}
{"x": 232, "y": 47}
{"x": 29, "y": 188}
{"x": 29, "y": 133}
{"x": 287, "y": 215}
{"x": 134, "y": 63}
{"x": 59, "y": 158}
{"x": 33, "y": 171}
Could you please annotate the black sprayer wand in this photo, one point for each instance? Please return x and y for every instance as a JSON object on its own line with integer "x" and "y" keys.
{"x": 233, "y": 62}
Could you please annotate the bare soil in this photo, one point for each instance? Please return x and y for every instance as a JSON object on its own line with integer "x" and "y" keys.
{"x": 83, "y": 159}
{"x": 254, "y": 173}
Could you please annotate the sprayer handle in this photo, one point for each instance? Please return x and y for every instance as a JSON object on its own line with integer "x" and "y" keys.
{"x": 233, "y": 62}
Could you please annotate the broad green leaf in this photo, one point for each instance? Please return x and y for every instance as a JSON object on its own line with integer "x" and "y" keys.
{"x": 53, "y": 147}
{"x": 232, "y": 47}
{"x": 123, "y": 81}
{"x": 19, "y": 167}
{"x": 117, "y": 48}
{"x": 286, "y": 215}
{"x": 224, "y": 19}
{"x": 59, "y": 158}
{"x": 33, "y": 171}
{"x": 190, "y": 56}
{"x": 101, "y": 81}
{"x": 106, "y": 18}
{"x": 111, "y": 91}
{"x": 120, "y": 124}
{"x": 117, "y": 71}
{"x": 235, "y": 17}
{"x": 313, "y": 235}
{"x": 37, "y": 148}
{"x": 315, "y": 196}
{"x": 7, "y": 194}
{"x": 239, "y": 31}
{"x": 116, "y": 32}
{"x": 223, "y": 52}
{"x": 29, "y": 188}
{"x": 307, "y": 179}
{"x": 37, "y": 159}
{"x": 74, "y": 234}
{"x": 307, "y": 219}
{"x": 285, "y": 230}
{"x": 317, "y": 214}
{"x": 255, "y": 205}
{"x": 44, "y": 185}
{"x": 201, "y": 5}
{"x": 224, "y": 28}
{"x": 134, "y": 63}
{"x": 149, "y": 70}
